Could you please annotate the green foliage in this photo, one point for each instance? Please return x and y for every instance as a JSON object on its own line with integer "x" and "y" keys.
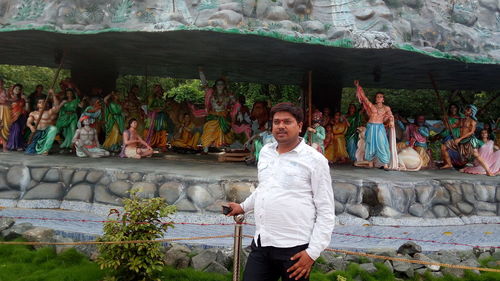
{"x": 30, "y": 76}
{"x": 138, "y": 261}
{"x": 188, "y": 91}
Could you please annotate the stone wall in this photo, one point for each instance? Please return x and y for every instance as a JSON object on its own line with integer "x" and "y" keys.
{"x": 93, "y": 190}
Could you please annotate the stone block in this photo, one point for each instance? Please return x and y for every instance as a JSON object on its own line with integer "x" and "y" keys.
{"x": 45, "y": 191}
{"x": 101, "y": 195}
{"x": 120, "y": 188}
{"x": 79, "y": 176}
{"x": 441, "y": 196}
{"x": 389, "y": 212}
{"x": 171, "y": 191}
{"x": 146, "y": 189}
{"x": 121, "y": 176}
{"x": 399, "y": 200}
{"x": 52, "y": 175}
{"x": 135, "y": 177}
{"x": 6, "y": 223}
{"x": 186, "y": 206}
{"x": 409, "y": 248}
{"x": 39, "y": 234}
{"x": 67, "y": 174}
{"x": 177, "y": 256}
{"x": 363, "y": 13}
{"x": 368, "y": 267}
{"x": 105, "y": 180}
{"x": 465, "y": 208}
{"x": 384, "y": 194}
{"x": 468, "y": 192}
{"x": 484, "y": 206}
{"x": 402, "y": 267}
{"x": 225, "y": 19}
{"x": 313, "y": 27}
{"x": 80, "y": 192}
{"x": 359, "y": 210}
{"x": 94, "y": 176}
{"x": 422, "y": 257}
{"x": 417, "y": 210}
{"x": 238, "y": 191}
{"x": 455, "y": 193}
{"x": 16, "y": 231}
{"x": 200, "y": 196}
{"x": 18, "y": 177}
{"x": 424, "y": 194}
{"x": 347, "y": 193}
{"x": 10, "y": 194}
{"x": 217, "y": 191}
{"x": 339, "y": 207}
{"x": 37, "y": 174}
{"x": 485, "y": 192}
{"x": 276, "y": 13}
{"x": 203, "y": 259}
{"x": 216, "y": 267}
{"x": 440, "y": 211}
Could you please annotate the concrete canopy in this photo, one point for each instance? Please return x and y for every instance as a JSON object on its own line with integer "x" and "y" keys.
{"x": 241, "y": 57}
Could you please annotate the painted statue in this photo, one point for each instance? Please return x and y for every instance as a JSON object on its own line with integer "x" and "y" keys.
{"x": 19, "y": 112}
{"x": 339, "y": 128}
{"x": 186, "y": 136}
{"x": 67, "y": 121}
{"x": 45, "y": 132}
{"x": 157, "y": 121}
{"x": 132, "y": 108}
{"x": 218, "y": 103}
{"x": 241, "y": 122}
{"x": 86, "y": 142}
{"x": 256, "y": 143}
{"x": 326, "y": 117}
{"x": 4, "y": 116}
{"x": 315, "y": 135}
{"x": 95, "y": 113}
{"x": 376, "y": 141}
{"x": 260, "y": 117}
{"x": 353, "y": 117}
{"x": 133, "y": 145}
{"x": 466, "y": 145}
{"x": 114, "y": 122}
{"x": 38, "y": 93}
{"x": 416, "y": 135}
{"x": 490, "y": 154}
{"x": 328, "y": 144}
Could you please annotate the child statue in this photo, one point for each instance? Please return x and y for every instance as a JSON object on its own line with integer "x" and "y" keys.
{"x": 315, "y": 135}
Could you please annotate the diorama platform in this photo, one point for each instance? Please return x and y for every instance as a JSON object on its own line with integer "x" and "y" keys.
{"x": 200, "y": 184}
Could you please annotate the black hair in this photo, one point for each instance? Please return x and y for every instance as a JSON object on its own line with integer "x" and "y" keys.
{"x": 130, "y": 122}
{"x": 297, "y": 112}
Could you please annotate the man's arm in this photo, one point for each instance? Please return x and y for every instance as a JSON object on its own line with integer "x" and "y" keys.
{"x": 322, "y": 190}
{"x": 472, "y": 130}
{"x": 360, "y": 94}
{"x": 30, "y": 122}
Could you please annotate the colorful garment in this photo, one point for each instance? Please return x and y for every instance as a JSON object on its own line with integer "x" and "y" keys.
{"x": 263, "y": 139}
{"x": 318, "y": 139}
{"x": 464, "y": 149}
{"x": 114, "y": 127}
{"x": 417, "y": 139}
{"x": 241, "y": 125}
{"x": 188, "y": 138}
{"x": 446, "y": 133}
{"x": 376, "y": 143}
{"x": 5, "y": 116}
{"x": 217, "y": 130}
{"x": 157, "y": 124}
{"x": 42, "y": 141}
{"x": 339, "y": 141}
{"x": 16, "y": 132}
{"x": 351, "y": 135}
{"x": 490, "y": 157}
{"x": 68, "y": 121}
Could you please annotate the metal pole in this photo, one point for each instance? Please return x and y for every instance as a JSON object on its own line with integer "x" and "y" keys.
{"x": 238, "y": 231}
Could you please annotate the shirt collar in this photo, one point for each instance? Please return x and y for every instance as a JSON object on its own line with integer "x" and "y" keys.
{"x": 296, "y": 149}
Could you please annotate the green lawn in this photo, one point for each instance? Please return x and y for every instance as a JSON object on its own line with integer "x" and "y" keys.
{"x": 23, "y": 263}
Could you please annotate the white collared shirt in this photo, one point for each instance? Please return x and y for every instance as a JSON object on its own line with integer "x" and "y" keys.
{"x": 293, "y": 204}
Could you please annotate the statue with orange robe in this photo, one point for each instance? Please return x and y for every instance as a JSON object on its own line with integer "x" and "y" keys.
{"x": 158, "y": 120}
{"x": 186, "y": 137}
{"x": 218, "y": 103}
{"x": 339, "y": 128}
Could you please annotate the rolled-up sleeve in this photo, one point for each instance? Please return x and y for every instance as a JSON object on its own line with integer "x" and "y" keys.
{"x": 321, "y": 182}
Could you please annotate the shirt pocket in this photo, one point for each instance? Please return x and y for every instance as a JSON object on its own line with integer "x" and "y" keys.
{"x": 295, "y": 178}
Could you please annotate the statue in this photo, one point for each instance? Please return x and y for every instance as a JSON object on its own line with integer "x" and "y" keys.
{"x": 416, "y": 135}
{"x": 94, "y": 112}
{"x": 114, "y": 122}
{"x": 490, "y": 154}
{"x": 376, "y": 142}
{"x": 4, "y": 116}
{"x": 86, "y": 142}
{"x": 339, "y": 128}
{"x": 260, "y": 117}
{"x": 315, "y": 135}
{"x": 241, "y": 121}
{"x": 409, "y": 160}
{"x": 466, "y": 145}
{"x": 45, "y": 132}
{"x": 353, "y": 117}
{"x": 133, "y": 145}
{"x": 326, "y": 117}
{"x": 256, "y": 143}
{"x": 132, "y": 108}
{"x": 217, "y": 130}
{"x": 38, "y": 93}
{"x": 360, "y": 152}
{"x": 68, "y": 118}
{"x": 186, "y": 137}
{"x": 19, "y": 109}
{"x": 158, "y": 121}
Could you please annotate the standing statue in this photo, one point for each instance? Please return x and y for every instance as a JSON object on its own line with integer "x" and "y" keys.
{"x": 339, "y": 128}
{"x": 186, "y": 137}
{"x": 114, "y": 122}
{"x": 86, "y": 142}
{"x": 132, "y": 108}
{"x": 326, "y": 117}
{"x": 353, "y": 117}
{"x": 376, "y": 142}
{"x": 218, "y": 102}
{"x": 133, "y": 145}
{"x": 315, "y": 135}
{"x": 490, "y": 154}
{"x": 45, "y": 131}
{"x": 68, "y": 117}
{"x": 4, "y": 116}
{"x": 328, "y": 144}
{"x": 157, "y": 121}
{"x": 466, "y": 145}
{"x": 38, "y": 93}
{"x": 19, "y": 109}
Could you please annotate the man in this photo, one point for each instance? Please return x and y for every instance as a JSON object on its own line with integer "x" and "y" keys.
{"x": 45, "y": 131}
{"x": 376, "y": 142}
{"x": 466, "y": 145}
{"x": 293, "y": 205}
{"x": 86, "y": 142}
{"x": 33, "y": 98}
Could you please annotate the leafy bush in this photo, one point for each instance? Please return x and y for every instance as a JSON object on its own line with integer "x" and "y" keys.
{"x": 139, "y": 221}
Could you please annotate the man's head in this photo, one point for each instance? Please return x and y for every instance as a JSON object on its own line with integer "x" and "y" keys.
{"x": 326, "y": 111}
{"x": 379, "y": 97}
{"x": 158, "y": 90}
{"x": 287, "y": 122}
{"x": 39, "y": 89}
{"x": 70, "y": 94}
{"x": 18, "y": 89}
{"x": 352, "y": 109}
{"x": 134, "y": 90}
{"x": 40, "y": 104}
{"x": 471, "y": 111}
{"x": 132, "y": 123}
{"x": 317, "y": 117}
{"x": 420, "y": 120}
{"x": 453, "y": 109}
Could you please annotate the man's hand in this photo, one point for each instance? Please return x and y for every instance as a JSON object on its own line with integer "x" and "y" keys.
{"x": 235, "y": 209}
{"x": 312, "y": 130}
{"x": 302, "y": 268}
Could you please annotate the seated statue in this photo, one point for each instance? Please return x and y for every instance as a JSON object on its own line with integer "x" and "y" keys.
{"x": 186, "y": 137}
{"x": 86, "y": 142}
{"x": 133, "y": 145}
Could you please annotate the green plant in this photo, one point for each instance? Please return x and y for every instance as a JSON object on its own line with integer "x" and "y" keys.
{"x": 139, "y": 221}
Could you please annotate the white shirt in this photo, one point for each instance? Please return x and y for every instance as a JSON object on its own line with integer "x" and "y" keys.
{"x": 293, "y": 204}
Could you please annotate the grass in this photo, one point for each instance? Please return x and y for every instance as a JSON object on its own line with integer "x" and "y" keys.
{"x": 23, "y": 263}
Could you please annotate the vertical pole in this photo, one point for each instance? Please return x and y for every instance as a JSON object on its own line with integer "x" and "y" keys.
{"x": 309, "y": 101}
{"x": 238, "y": 231}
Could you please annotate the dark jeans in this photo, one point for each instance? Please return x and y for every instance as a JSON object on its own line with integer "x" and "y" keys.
{"x": 270, "y": 263}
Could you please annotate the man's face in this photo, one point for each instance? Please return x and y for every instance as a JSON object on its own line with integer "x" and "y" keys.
{"x": 379, "y": 98}
{"x": 17, "y": 90}
{"x": 39, "y": 104}
{"x": 69, "y": 95}
{"x": 39, "y": 89}
{"x": 86, "y": 122}
{"x": 453, "y": 110}
{"x": 468, "y": 111}
{"x": 285, "y": 127}
{"x": 133, "y": 124}
{"x": 352, "y": 109}
{"x": 220, "y": 86}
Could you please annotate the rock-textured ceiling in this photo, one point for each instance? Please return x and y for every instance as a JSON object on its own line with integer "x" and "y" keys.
{"x": 390, "y": 43}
